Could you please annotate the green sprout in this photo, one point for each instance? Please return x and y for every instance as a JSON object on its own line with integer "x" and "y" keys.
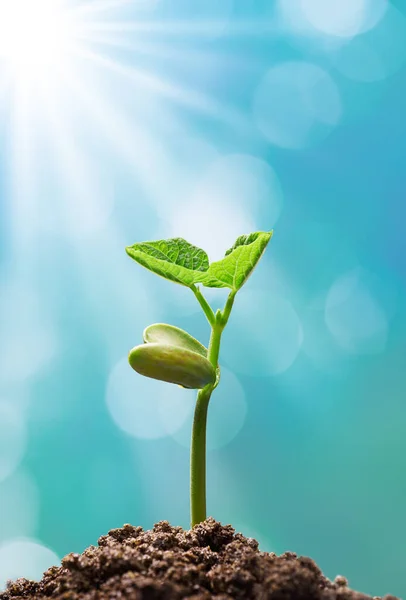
{"x": 171, "y": 354}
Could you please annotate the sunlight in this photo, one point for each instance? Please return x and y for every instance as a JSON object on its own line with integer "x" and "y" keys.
{"x": 81, "y": 80}
{"x": 34, "y": 35}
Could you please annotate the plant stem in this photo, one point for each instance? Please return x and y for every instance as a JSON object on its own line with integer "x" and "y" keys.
{"x": 198, "y": 459}
{"x": 227, "y": 309}
{"x": 198, "y": 444}
{"x": 208, "y": 311}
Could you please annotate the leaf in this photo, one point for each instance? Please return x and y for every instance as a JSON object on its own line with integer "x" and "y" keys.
{"x": 161, "y": 333}
{"x": 173, "y": 259}
{"x": 173, "y": 365}
{"x": 239, "y": 262}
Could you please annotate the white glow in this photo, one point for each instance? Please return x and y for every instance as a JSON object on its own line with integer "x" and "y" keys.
{"x": 195, "y": 221}
{"x": 338, "y": 20}
{"x": 66, "y": 100}
{"x": 345, "y": 18}
{"x": 87, "y": 196}
{"x": 146, "y": 408}
{"x": 354, "y": 316}
{"x": 244, "y": 180}
{"x": 319, "y": 345}
{"x": 13, "y": 438}
{"x": 33, "y": 35}
{"x": 226, "y": 201}
{"x": 28, "y": 341}
{"x": 377, "y": 54}
{"x": 24, "y": 558}
{"x": 266, "y": 335}
{"x": 19, "y": 506}
{"x": 360, "y": 61}
{"x": 335, "y": 18}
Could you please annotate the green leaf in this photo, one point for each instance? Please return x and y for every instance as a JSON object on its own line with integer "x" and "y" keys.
{"x": 239, "y": 262}
{"x": 161, "y": 333}
{"x": 173, "y": 259}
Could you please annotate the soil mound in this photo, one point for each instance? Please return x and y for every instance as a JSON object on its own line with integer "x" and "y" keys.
{"x": 210, "y": 561}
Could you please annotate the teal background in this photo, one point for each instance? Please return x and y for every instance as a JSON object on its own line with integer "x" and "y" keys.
{"x": 308, "y": 445}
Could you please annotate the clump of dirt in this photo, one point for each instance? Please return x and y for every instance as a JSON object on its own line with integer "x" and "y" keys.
{"x": 210, "y": 561}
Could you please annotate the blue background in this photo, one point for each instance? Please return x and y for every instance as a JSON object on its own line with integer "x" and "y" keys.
{"x": 207, "y": 120}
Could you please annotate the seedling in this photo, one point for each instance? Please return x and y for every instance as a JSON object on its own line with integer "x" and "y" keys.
{"x": 173, "y": 355}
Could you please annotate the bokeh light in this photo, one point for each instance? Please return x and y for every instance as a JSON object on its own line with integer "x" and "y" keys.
{"x": 145, "y": 408}
{"x": 272, "y": 340}
{"x": 28, "y": 342}
{"x": 319, "y": 344}
{"x": 195, "y": 221}
{"x": 340, "y": 20}
{"x": 13, "y": 438}
{"x": 24, "y": 558}
{"x": 378, "y": 53}
{"x": 360, "y": 61}
{"x": 227, "y": 201}
{"x": 354, "y": 316}
{"x": 345, "y": 18}
{"x": 228, "y": 410}
{"x": 297, "y": 104}
{"x": 19, "y": 506}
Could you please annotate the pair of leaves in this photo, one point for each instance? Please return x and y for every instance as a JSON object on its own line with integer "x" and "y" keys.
{"x": 172, "y": 355}
{"x": 179, "y": 261}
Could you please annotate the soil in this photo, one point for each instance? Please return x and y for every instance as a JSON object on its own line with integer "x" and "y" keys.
{"x": 210, "y": 561}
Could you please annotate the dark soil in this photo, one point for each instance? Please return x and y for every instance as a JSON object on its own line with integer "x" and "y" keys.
{"x": 210, "y": 561}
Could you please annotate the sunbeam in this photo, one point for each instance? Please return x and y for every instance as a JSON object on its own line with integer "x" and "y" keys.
{"x": 142, "y": 150}
{"x": 147, "y": 82}
{"x": 22, "y": 181}
{"x": 59, "y": 64}
{"x": 99, "y": 6}
{"x": 203, "y": 28}
{"x": 152, "y": 83}
{"x": 34, "y": 36}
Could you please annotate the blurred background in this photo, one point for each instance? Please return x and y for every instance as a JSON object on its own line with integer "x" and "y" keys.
{"x": 131, "y": 120}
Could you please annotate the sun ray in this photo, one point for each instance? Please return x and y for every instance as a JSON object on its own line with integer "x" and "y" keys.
{"x": 85, "y": 204}
{"x": 203, "y": 27}
{"x": 33, "y": 36}
{"x": 180, "y": 95}
{"x": 69, "y": 80}
{"x": 195, "y": 57}
{"x": 99, "y": 6}
{"x": 80, "y": 176}
{"x": 157, "y": 85}
{"x": 4, "y": 89}
{"x": 139, "y": 148}
{"x": 22, "y": 180}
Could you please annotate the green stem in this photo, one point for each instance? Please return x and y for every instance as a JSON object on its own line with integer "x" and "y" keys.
{"x": 227, "y": 309}
{"x": 207, "y": 309}
{"x": 198, "y": 459}
{"x": 198, "y": 444}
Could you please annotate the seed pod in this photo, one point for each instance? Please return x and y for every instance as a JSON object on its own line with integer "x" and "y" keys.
{"x": 161, "y": 333}
{"x": 172, "y": 364}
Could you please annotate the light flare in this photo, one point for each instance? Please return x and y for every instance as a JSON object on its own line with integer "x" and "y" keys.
{"x": 34, "y": 36}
